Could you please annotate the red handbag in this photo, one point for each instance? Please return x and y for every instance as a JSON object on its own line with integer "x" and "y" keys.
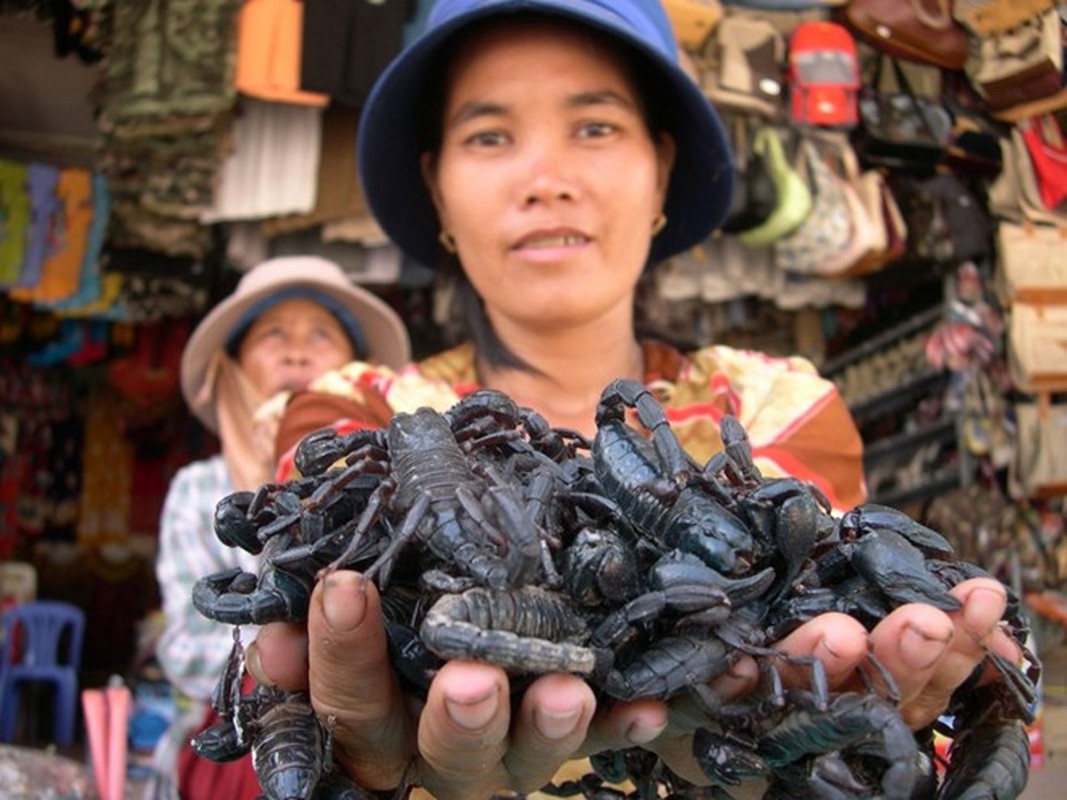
{"x": 915, "y": 30}
{"x": 1048, "y": 153}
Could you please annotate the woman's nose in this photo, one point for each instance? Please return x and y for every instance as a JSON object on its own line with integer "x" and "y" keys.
{"x": 297, "y": 355}
{"x": 548, "y": 177}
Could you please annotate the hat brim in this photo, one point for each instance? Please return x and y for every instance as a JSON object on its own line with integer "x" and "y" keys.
{"x": 386, "y": 337}
{"x": 701, "y": 183}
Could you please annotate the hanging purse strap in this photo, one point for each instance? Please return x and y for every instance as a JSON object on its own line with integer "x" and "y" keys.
{"x": 904, "y": 85}
{"x": 941, "y": 20}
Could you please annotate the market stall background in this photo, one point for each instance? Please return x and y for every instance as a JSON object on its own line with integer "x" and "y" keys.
{"x": 126, "y": 164}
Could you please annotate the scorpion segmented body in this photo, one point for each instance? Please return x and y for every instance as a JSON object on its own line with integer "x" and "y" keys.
{"x": 655, "y": 483}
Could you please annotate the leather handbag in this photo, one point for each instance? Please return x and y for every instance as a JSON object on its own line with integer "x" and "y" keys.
{"x": 794, "y": 199}
{"x": 1037, "y": 346}
{"x": 1031, "y": 263}
{"x": 916, "y": 30}
{"x": 946, "y": 222}
{"x": 1039, "y": 469}
{"x": 827, "y": 229}
{"x": 900, "y": 130}
{"x": 1019, "y": 65}
{"x": 983, "y": 17}
{"x": 1048, "y": 155}
{"x": 896, "y": 237}
{"x": 743, "y": 66}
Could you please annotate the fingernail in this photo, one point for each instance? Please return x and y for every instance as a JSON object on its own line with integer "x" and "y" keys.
{"x": 254, "y": 668}
{"x": 975, "y": 611}
{"x": 555, "y": 725}
{"x": 830, "y": 651}
{"x": 473, "y": 713}
{"x": 643, "y": 731}
{"x": 343, "y": 605}
{"x": 921, "y": 649}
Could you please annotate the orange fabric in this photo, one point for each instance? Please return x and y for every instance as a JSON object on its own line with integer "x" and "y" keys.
{"x": 308, "y": 411}
{"x": 797, "y": 422}
{"x": 269, "y": 36}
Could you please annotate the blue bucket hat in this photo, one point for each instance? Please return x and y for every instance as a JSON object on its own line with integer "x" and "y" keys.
{"x": 389, "y": 143}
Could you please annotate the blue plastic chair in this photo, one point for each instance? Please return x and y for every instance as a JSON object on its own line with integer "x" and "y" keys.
{"x": 42, "y": 642}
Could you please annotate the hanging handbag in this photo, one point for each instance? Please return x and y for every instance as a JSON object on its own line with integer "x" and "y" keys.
{"x": 827, "y": 229}
{"x": 1032, "y": 263}
{"x": 898, "y": 129}
{"x": 693, "y": 20}
{"x": 1015, "y": 194}
{"x": 794, "y": 199}
{"x": 916, "y": 30}
{"x": 1019, "y": 65}
{"x": 983, "y": 17}
{"x": 863, "y": 191}
{"x": 1048, "y": 155}
{"x": 744, "y": 66}
{"x": 946, "y": 222}
{"x": 754, "y": 194}
{"x": 1039, "y": 469}
{"x": 1037, "y": 346}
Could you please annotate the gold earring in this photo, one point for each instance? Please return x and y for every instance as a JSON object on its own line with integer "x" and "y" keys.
{"x": 659, "y": 223}
{"x": 447, "y": 242}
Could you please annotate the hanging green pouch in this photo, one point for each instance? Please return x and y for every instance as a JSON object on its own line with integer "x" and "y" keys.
{"x": 794, "y": 198}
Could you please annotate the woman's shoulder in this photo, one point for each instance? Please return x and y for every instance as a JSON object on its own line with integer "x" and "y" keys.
{"x": 733, "y": 374}
{"x": 796, "y": 420}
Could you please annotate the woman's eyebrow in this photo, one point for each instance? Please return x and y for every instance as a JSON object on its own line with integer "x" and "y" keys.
{"x": 474, "y": 110}
{"x": 601, "y": 97}
{"x": 488, "y": 108}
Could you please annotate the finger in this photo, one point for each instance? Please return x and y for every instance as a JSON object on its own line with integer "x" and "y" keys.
{"x": 353, "y": 684}
{"x": 463, "y": 731}
{"x": 620, "y": 725}
{"x": 838, "y": 640}
{"x": 279, "y": 656}
{"x": 974, "y": 630}
{"x": 911, "y": 644}
{"x": 549, "y": 726}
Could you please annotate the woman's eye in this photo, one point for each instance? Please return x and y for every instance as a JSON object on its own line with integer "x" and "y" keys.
{"x": 595, "y": 130}
{"x": 487, "y": 139}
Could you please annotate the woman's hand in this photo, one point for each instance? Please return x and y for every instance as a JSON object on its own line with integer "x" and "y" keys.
{"x": 465, "y": 742}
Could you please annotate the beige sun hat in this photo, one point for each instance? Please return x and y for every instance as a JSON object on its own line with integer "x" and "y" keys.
{"x": 384, "y": 337}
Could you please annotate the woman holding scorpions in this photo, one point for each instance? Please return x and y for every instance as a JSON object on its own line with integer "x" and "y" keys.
{"x": 549, "y": 151}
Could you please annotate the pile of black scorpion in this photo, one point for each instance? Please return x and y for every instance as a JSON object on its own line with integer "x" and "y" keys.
{"x": 493, "y": 536}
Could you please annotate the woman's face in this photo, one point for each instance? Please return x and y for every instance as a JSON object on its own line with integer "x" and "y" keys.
{"x": 548, "y": 177}
{"x": 292, "y": 343}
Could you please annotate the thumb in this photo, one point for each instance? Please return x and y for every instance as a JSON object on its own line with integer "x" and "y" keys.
{"x": 353, "y": 685}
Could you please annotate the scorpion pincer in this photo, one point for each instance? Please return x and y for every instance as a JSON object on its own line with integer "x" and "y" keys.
{"x": 658, "y": 487}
